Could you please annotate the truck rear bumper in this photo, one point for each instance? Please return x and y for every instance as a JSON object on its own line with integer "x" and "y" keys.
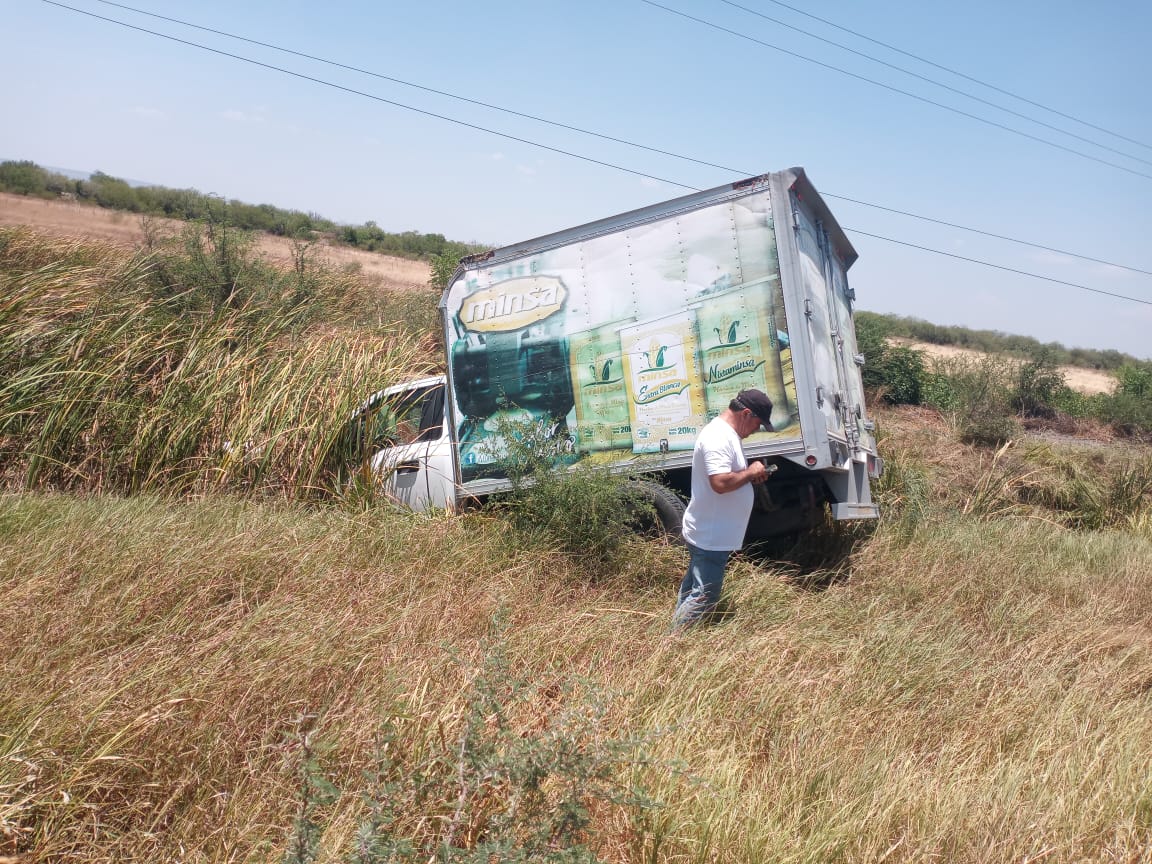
{"x": 855, "y": 511}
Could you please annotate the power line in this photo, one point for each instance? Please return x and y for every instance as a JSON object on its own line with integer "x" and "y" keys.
{"x": 415, "y": 86}
{"x": 372, "y": 96}
{"x": 602, "y": 135}
{"x": 1000, "y": 267}
{"x": 543, "y": 146}
{"x": 932, "y": 81}
{"x": 961, "y": 74}
{"x": 986, "y": 233}
{"x": 889, "y": 87}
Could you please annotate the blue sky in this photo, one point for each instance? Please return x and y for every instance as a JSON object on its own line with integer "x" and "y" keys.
{"x": 88, "y": 95}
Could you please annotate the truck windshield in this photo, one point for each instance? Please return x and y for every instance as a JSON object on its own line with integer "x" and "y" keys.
{"x": 414, "y": 416}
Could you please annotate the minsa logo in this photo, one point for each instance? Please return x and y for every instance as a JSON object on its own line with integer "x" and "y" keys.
{"x": 729, "y": 338}
{"x": 513, "y": 304}
{"x": 609, "y": 373}
{"x": 655, "y": 355}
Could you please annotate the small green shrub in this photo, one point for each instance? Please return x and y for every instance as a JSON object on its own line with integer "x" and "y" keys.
{"x": 978, "y": 395}
{"x": 580, "y": 510}
{"x": 896, "y": 372}
{"x": 1129, "y": 407}
{"x": 1075, "y": 404}
{"x": 1039, "y": 385}
{"x": 443, "y": 266}
{"x": 903, "y": 372}
{"x": 871, "y": 341}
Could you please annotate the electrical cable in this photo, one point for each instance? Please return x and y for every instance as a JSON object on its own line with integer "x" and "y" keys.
{"x": 604, "y": 136}
{"x": 372, "y": 96}
{"x": 889, "y": 87}
{"x": 925, "y": 78}
{"x": 998, "y": 266}
{"x": 986, "y": 233}
{"x": 547, "y": 147}
{"x": 426, "y": 89}
{"x": 960, "y": 74}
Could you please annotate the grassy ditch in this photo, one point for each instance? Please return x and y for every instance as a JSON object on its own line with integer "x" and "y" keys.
{"x": 210, "y": 657}
{"x": 978, "y": 690}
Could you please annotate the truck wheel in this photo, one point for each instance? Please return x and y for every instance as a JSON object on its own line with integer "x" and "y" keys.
{"x": 666, "y": 514}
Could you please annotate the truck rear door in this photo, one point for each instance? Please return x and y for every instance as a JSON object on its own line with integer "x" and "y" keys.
{"x": 823, "y": 319}
{"x": 839, "y": 387}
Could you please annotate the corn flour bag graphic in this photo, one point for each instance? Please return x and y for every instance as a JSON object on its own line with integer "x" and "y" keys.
{"x": 739, "y": 348}
{"x": 602, "y": 418}
{"x": 662, "y": 373}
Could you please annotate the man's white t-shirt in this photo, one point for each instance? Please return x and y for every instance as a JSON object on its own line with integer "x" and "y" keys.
{"x": 714, "y": 521}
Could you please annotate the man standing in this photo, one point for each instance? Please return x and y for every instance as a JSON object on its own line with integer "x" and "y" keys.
{"x": 722, "y": 496}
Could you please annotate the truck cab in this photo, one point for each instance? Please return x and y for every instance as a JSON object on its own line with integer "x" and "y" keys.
{"x": 412, "y": 454}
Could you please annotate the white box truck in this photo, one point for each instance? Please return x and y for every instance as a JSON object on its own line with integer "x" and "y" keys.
{"x": 625, "y": 336}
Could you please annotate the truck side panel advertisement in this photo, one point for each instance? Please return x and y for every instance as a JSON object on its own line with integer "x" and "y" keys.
{"x": 625, "y": 343}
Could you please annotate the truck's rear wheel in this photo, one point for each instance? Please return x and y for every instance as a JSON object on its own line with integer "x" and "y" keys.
{"x": 662, "y": 512}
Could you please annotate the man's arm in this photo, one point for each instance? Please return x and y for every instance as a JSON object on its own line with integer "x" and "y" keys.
{"x": 732, "y": 480}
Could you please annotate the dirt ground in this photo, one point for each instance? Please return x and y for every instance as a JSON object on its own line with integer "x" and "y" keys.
{"x": 72, "y": 219}
{"x": 1087, "y": 381}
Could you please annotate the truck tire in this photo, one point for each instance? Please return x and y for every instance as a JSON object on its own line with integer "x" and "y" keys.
{"x": 666, "y": 517}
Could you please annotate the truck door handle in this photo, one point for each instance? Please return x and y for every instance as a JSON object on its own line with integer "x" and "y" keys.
{"x": 408, "y": 467}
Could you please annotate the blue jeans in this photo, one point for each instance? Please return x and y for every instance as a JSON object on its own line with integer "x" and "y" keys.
{"x": 700, "y": 590}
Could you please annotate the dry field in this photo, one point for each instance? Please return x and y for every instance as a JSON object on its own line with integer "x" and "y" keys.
{"x": 1085, "y": 380}
{"x": 72, "y": 219}
{"x": 69, "y": 218}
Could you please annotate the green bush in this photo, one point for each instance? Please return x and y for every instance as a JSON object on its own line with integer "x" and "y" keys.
{"x": 978, "y": 394}
{"x": 903, "y": 373}
{"x": 1039, "y": 385}
{"x": 443, "y": 266}
{"x": 1129, "y": 407}
{"x": 574, "y": 509}
{"x": 871, "y": 341}
{"x": 896, "y": 372}
{"x": 23, "y": 178}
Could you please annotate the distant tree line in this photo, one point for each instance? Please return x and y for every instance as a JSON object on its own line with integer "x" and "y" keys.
{"x": 994, "y": 342}
{"x": 989, "y": 397}
{"x": 28, "y": 178}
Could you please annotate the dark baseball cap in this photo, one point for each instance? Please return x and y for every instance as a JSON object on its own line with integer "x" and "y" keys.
{"x": 758, "y": 403}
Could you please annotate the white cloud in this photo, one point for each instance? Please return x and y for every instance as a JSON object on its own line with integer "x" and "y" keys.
{"x": 651, "y": 183}
{"x": 496, "y": 157}
{"x": 526, "y": 170}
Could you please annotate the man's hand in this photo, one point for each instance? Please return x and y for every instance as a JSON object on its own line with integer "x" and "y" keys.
{"x": 756, "y": 473}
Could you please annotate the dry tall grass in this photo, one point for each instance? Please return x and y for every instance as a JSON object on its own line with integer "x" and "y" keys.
{"x": 981, "y": 691}
{"x": 178, "y": 371}
{"x": 976, "y": 685}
